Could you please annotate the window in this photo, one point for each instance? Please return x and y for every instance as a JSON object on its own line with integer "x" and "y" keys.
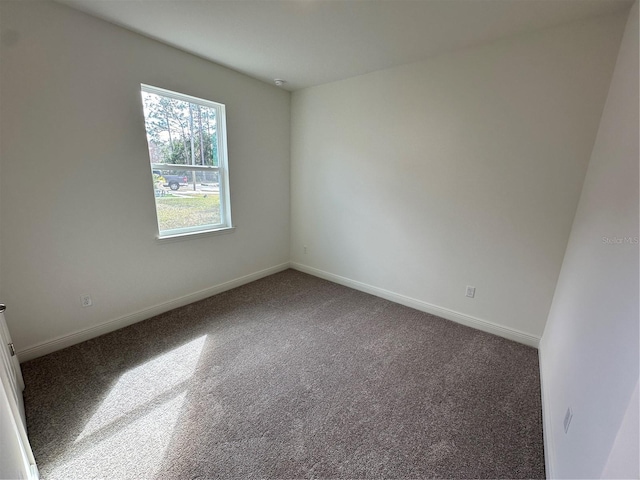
{"x": 188, "y": 156}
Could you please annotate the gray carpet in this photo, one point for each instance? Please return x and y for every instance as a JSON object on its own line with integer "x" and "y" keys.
{"x": 288, "y": 377}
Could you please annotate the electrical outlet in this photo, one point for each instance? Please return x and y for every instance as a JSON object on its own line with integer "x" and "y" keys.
{"x": 567, "y": 419}
{"x": 85, "y": 300}
{"x": 306, "y": 249}
{"x": 471, "y": 291}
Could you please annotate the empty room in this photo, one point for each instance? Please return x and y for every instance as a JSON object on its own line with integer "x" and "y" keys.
{"x": 354, "y": 239}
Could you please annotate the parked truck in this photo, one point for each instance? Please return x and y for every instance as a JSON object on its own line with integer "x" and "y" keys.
{"x": 174, "y": 182}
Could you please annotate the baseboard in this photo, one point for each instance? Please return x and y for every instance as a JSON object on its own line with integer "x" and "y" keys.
{"x": 464, "y": 319}
{"x": 547, "y": 432}
{"x": 64, "y": 341}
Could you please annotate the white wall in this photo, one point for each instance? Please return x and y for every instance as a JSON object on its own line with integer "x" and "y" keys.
{"x": 78, "y": 211}
{"x": 464, "y": 169}
{"x": 623, "y": 459}
{"x": 589, "y": 350}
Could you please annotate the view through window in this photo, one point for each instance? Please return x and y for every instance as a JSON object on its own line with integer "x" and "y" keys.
{"x": 187, "y": 151}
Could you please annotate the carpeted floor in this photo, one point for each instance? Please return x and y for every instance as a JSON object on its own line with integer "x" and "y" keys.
{"x": 288, "y": 377}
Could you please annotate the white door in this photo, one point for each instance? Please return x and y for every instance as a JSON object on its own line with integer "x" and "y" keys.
{"x": 16, "y": 458}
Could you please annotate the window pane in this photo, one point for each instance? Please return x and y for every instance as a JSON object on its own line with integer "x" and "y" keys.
{"x": 183, "y": 203}
{"x": 180, "y": 132}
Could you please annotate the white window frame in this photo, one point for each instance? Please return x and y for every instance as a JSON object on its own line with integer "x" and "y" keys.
{"x": 222, "y": 169}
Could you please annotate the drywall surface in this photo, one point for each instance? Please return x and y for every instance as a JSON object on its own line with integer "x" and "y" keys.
{"x": 78, "y": 212}
{"x": 589, "y": 350}
{"x": 465, "y": 169}
{"x": 623, "y": 459}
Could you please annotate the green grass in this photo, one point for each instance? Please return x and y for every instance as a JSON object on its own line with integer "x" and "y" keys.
{"x": 181, "y": 212}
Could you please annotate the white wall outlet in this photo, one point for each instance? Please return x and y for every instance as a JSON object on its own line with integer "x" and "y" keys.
{"x": 471, "y": 291}
{"x": 567, "y": 419}
{"x": 85, "y": 300}
{"x": 306, "y": 249}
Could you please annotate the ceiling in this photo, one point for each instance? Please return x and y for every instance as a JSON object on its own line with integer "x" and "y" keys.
{"x": 310, "y": 42}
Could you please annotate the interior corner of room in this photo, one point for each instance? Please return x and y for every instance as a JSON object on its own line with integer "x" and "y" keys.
{"x": 510, "y": 167}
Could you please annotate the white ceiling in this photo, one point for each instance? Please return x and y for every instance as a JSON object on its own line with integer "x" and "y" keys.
{"x": 310, "y": 42}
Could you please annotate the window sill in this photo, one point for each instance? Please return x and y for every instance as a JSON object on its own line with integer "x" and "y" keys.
{"x": 185, "y": 236}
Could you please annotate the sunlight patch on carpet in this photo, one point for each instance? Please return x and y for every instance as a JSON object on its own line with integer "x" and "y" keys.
{"x": 150, "y": 434}
{"x": 142, "y": 385}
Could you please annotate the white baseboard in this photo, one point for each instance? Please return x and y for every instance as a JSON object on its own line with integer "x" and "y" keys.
{"x": 464, "y": 319}
{"x": 547, "y": 431}
{"x": 64, "y": 341}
